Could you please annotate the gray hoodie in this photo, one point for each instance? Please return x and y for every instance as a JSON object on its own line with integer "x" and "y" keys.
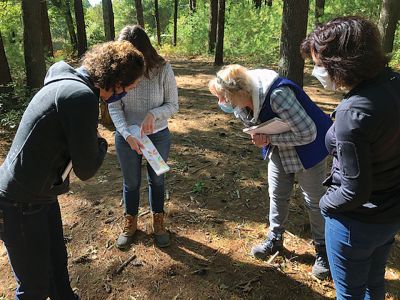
{"x": 59, "y": 125}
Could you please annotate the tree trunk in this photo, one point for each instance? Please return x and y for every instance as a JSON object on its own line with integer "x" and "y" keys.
{"x": 70, "y": 24}
{"x": 294, "y": 27}
{"x": 192, "y": 5}
{"x": 389, "y": 16}
{"x": 33, "y": 44}
{"x": 257, "y": 3}
{"x": 80, "y": 27}
{"x": 212, "y": 25}
{"x": 219, "y": 48}
{"x": 139, "y": 12}
{"x": 176, "y": 2}
{"x": 46, "y": 34}
{"x": 5, "y": 74}
{"x": 6, "y": 87}
{"x": 108, "y": 18}
{"x": 157, "y": 16}
{"x": 319, "y": 10}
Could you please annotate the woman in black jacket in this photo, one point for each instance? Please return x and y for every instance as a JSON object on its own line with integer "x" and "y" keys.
{"x": 362, "y": 204}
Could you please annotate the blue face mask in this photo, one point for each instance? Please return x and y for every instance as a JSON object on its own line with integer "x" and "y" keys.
{"x": 116, "y": 97}
{"x": 226, "y": 107}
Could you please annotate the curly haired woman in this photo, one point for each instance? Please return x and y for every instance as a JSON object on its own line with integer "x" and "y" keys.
{"x": 58, "y": 126}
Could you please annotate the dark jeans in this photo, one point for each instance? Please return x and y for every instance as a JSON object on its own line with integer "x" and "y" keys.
{"x": 357, "y": 254}
{"x": 33, "y": 236}
{"x": 131, "y": 163}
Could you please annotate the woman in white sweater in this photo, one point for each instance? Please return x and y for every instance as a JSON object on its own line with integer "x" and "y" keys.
{"x": 148, "y": 106}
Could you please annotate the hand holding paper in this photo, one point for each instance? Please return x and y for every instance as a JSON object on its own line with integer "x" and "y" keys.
{"x": 260, "y": 139}
{"x": 149, "y": 151}
{"x": 135, "y": 144}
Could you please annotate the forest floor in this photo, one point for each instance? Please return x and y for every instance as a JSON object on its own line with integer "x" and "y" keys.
{"x": 217, "y": 207}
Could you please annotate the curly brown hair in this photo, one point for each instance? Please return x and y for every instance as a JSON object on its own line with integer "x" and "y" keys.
{"x": 114, "y": 63}
{"x": 349, "y": 48}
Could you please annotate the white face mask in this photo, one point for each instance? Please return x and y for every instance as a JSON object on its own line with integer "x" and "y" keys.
{"x": 322, "y": 75}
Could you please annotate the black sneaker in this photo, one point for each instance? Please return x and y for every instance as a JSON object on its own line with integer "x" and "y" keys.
{"x": 270, "y": 246}
{"x": 320, "y": 268}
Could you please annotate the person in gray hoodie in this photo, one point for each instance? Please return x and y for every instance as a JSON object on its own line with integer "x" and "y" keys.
{"x": 58, "y": 128}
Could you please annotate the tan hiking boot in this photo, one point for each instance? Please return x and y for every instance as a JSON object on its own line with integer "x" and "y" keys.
{"x": 161, "y": 236}
{"x": 125, "y": 239}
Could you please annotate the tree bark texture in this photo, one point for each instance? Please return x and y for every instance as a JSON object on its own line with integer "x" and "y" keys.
{"x": 70, "y": 24}
{"x": 219, "y": 47}
{"x": 80, "y": 27}
{"x": 389, "y": 16}
{"x": 212, "y": 25}
{"x": 319, "y": 10}
{"x": 46, "y": 34}
{"x": 294, "y": 27}
{"x": 108, "y": 19}
{"x": 5, "y": 74}
{"x": 139, "y": 12}
{"x": 192, "y": 5}
{"x": 257, "y": 3}
{"x": 157, "y": 17}
{"x": 176, "y": 3}
{"x": 33, "y": 45}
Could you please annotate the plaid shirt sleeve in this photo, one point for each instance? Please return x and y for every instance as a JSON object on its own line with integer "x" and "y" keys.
{"x": 303, "y": 130}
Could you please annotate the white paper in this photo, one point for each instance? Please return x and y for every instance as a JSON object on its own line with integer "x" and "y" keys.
{"x": 67, "y": 171}
{"x": 149, "y": 151}
{"x": 273, "y": 126}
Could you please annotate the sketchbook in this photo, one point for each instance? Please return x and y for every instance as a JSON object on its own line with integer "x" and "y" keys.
{"x": 149, "y": 151}
{"x": 273, "y": 126}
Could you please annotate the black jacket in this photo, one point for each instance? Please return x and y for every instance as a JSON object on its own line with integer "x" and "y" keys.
{"x": 59, "y": 125}
{"x": 365, "y": 144}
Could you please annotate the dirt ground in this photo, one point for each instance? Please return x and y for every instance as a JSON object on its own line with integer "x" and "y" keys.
{"x": 217, "y": 207}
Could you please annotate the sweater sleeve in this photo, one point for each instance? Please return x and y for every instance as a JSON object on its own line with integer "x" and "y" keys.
{"x": 118, "y": 117}
{"x": 170, "y": 105}
{"x": 303, "y": 130}
{"x": 79, "y": 115}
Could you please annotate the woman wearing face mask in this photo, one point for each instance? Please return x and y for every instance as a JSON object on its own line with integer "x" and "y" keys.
{"x": 149, "y": 106}
{"x": 362, "y": 204}
{"x": 255, "y": 96}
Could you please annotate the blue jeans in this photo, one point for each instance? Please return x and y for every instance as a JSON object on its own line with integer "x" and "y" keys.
{"x": 33, "y": 236}
{"x": 280, "y": 186}
{"x": 357, "y": 254}
{"x": 131, "y": 163}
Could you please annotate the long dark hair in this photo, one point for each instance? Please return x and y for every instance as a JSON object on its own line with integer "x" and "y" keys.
{"x": 349, "y": 48}
{"x": 138, "y": 37}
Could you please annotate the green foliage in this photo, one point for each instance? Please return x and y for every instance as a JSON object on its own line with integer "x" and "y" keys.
{"x": 251, "y": 35}
{"x": 367, "y": 8}
{"x": 11, "y": 31}
{"x": 94, "y": 25}
{"x": 395, "y": 62}
{"x": 13, "y": 104}
{"x": 192, "y": 32}
{"x": 198, "y": 187}
{"x": 124, "y": 14}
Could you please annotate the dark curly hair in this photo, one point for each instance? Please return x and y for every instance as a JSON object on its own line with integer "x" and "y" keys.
{"x": 349, "y": 48}
{"x": 138, "y": 37}
{"x": 114, "y": 63}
